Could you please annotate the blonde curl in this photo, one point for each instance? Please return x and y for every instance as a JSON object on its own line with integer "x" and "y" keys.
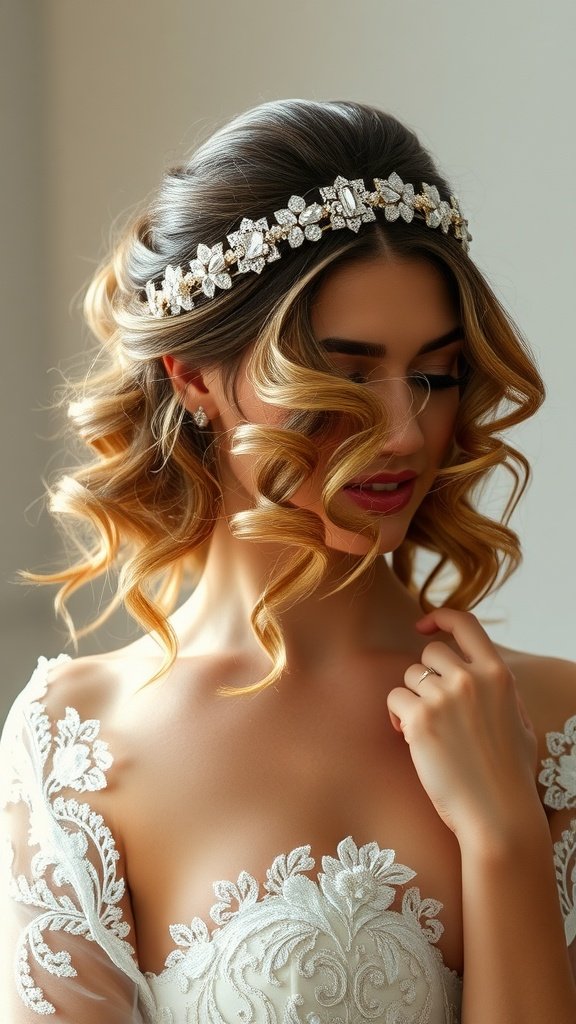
{"x": 149, "y": 495}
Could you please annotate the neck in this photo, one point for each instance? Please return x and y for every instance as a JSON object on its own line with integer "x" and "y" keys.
{"x": 375, "y": 613}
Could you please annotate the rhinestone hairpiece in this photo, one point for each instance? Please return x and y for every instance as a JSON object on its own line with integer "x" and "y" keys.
{"x": 346, "y": 204}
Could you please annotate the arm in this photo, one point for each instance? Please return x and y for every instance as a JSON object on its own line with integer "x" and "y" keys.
{"x": 475, "y": 752}
{"x": 516, "y": 962}
{"x": 65, "y": 913}
{"x": 509, "y": 892}
{"x": 558, "y": 781}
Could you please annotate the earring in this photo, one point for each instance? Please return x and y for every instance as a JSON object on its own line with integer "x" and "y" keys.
{"x": 200, "y": 418}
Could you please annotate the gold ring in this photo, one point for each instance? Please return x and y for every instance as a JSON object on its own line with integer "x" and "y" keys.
{"x": 428, "y": 672}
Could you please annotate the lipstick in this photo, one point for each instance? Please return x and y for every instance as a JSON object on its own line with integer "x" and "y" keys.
{"x": 376, "y": 494}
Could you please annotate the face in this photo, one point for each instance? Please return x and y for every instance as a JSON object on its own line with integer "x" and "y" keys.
{"x": 375, "y": 320}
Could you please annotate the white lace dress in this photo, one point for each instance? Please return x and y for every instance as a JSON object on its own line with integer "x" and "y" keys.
{"x": 349, "y": 948}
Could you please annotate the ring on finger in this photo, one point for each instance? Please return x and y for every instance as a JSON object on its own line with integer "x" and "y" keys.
{"x": 428, "y": 672}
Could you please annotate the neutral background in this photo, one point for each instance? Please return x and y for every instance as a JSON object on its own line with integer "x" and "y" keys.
{"x": 98, "y": 96}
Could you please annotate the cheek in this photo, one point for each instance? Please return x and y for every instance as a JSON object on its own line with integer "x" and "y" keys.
{"x": 309, "y": 495}
{"x": 440, "y": 424}
{"x": 238, "y": 469}
{"x": 252, "y": 409}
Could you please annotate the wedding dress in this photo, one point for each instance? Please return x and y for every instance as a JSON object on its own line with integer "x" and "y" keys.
{"x": 356, "y": 945}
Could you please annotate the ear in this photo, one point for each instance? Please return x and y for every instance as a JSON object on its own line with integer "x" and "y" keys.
{"x": 192, "y": 387}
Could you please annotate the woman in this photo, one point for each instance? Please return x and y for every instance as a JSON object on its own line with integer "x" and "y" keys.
{"x": 386, "y": 792}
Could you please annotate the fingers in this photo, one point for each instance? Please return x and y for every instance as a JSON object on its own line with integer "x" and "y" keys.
{"x": 470, "y": 636}
{"x": 416, "y": 679}
{"x": 401, "y": 703}
{"x": 462, "y": 676}
{"x": 435, "y": 656}
{"x": 478, "y": 664}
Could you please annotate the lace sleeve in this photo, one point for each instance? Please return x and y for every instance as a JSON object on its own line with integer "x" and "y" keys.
{"x": 64, "y": 911}
{"x": 558, "y": 777}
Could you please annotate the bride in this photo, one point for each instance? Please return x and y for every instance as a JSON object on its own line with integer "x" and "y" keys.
{"x": 309, "y": 794}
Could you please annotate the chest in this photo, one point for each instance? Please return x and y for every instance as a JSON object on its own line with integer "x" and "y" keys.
{"x": 243, "y": 784}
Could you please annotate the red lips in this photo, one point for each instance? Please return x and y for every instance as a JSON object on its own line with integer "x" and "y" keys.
{"x": 384, "y": 478}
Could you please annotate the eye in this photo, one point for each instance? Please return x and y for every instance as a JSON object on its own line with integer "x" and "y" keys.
{"x": 434, "y": 381}
{"x": 424, "y": 381}
{"x": 357, "y": 377}
{"x": 438, "y": 381}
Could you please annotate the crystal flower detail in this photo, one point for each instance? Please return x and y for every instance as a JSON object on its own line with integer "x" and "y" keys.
{"x": 174, "y": 295}
{"x": 177, "y": 287}
{"x": 559, "y": 771}
{"x": 441, "y": 212}
{"x": 209, "y": 268}
{"x": 157, "y": 300}
{"x": 460, "y": 225}
{"x": 301, "y": 220}
{"x": 365, "y": 875}
{"x": 399, "y": 197}
{"x": 252, "y": 245}
{"x": 346, "y": 202}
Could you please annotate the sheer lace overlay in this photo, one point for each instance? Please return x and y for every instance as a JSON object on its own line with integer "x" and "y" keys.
{"x": 356, "y": 945}
{"x": 558, "y": 775}
{"x": 61, "y": 857}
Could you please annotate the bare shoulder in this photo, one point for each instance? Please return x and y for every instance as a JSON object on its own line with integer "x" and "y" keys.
{"x": 93, "y": 685}
{"x": 126, "y": 689}
{"x": 547, "y": 685}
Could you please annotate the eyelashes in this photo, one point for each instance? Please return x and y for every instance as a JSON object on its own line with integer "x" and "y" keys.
{"x": 439, "y": 381}
{"x": 434, "y": 381}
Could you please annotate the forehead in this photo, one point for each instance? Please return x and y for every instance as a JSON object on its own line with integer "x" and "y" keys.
{"x": 382, "y": 300}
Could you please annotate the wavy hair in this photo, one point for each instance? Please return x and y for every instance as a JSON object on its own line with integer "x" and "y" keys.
{"x": 150, "y": 495}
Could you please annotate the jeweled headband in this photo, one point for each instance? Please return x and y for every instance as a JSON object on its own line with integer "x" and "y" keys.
{"x": 346, "y": 204}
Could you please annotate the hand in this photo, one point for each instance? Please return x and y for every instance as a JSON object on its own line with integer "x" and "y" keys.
{"x": 470, "y": 737}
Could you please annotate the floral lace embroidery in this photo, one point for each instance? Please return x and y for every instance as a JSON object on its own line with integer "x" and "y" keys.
{"x": 341, "y": 926}
{"x": 559, "y": 771}
{"x": 64, "y": 830}
{"x": 559, "y": 776}
{"x": 565, "y": 865}
{"x": 370, "y": 959}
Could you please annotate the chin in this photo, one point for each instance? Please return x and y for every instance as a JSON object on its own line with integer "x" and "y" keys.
{"x": 354, "y": 544}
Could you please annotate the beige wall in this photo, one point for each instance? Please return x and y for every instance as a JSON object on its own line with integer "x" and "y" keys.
{"x": 96, "y": 97}
{"x": 24, "y": 622}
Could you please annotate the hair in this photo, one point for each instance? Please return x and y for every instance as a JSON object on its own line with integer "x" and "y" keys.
{"x": 150, "y": 494}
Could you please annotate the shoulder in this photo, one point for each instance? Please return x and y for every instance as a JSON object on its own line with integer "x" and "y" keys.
{"x": 61, "y": 739}
{"x": 115, "y": 692}
{"x": 55, "y": 684}
{"x": 94, "y": 685}
{"x": 64, "y": 866}
{"x": 66, "y": 710}
{"x": 61, "y": 694}
{"x": 547, "y": 686}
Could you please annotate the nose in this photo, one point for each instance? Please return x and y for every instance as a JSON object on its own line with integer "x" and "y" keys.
{"x": 403, "y": 405}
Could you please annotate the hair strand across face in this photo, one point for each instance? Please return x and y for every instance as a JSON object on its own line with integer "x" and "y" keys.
{"x": 149, "y": 493}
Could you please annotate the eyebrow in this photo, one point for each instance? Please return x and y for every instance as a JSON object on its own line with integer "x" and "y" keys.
{"x": 367, "y": 348}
